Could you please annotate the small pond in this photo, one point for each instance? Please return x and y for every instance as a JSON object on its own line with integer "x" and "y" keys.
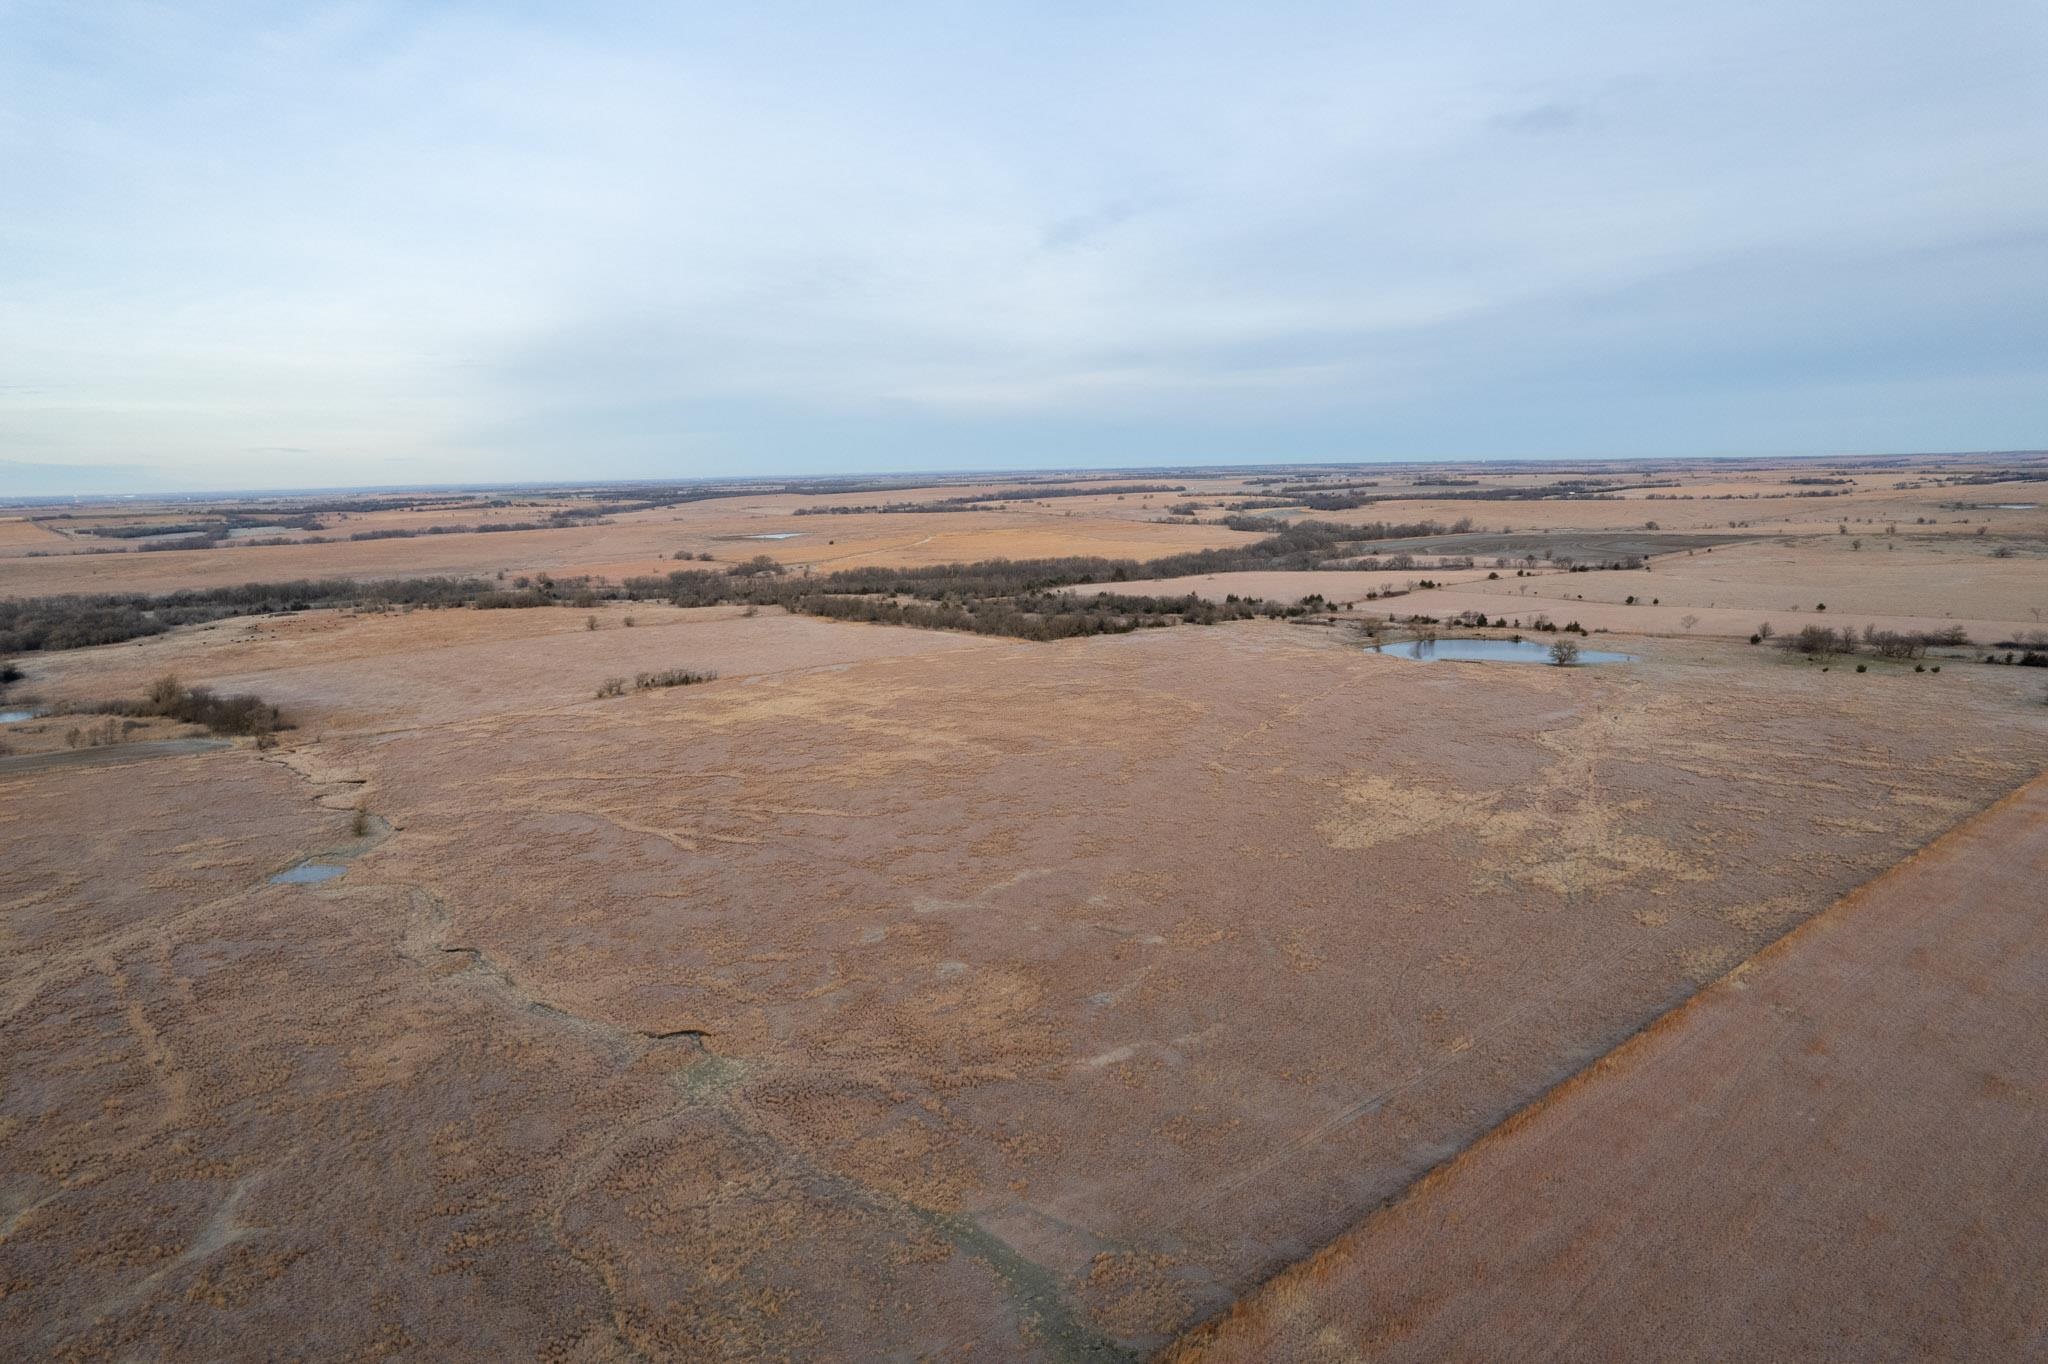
{"x": 1489, "y": 651}
{"x": 307, "y": 873}
{"x": 15, "y": 717}
{"x": 774, "y": 535}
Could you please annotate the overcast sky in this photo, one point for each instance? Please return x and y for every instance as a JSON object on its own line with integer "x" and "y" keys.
{"x": 311, "y": 244}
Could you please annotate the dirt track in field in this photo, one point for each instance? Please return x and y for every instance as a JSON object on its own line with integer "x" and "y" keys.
{"x": 1835, "y": 1152}
{"x": 22, "y": 763}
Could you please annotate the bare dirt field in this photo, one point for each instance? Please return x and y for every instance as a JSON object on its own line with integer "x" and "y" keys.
{"x": 916, "y": 993}
{"x": 1832, "y": 1153}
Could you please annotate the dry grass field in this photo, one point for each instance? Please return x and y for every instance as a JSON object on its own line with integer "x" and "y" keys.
{"x": 639, "y": 544}
{"x": 1924, "y": 583}
{"x": 913, "y": 993}
{"x": 1931, "y": 1202}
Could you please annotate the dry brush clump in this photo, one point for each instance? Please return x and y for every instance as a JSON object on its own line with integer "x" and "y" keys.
{"x": 654, "y": 681}
{"x": 1820, "y": 642}
{"x": 107, "y": 732}
{"x": 170, "y": 699}
{"x": 221, "y": 714}
{"x": 673, "y": 677}
{"x": 1909, "y": 644}
{"x": 1826, "y": 642}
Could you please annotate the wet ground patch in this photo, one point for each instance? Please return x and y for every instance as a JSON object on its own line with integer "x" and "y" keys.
{"x": 307, "y": 873}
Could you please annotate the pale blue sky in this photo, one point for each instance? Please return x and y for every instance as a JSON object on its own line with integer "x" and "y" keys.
{"x": 290, "y": 244}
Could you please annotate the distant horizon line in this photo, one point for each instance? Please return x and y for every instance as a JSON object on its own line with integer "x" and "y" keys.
{"x": 936, "y": 477}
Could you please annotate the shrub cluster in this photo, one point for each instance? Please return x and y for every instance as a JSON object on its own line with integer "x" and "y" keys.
{"x": 102, "y": 735}
{"x": 1821, "y": 641}
{"x": 672, "y": 677}
{"x": 170, "y": 698}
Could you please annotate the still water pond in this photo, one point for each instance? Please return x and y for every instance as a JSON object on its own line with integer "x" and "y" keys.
{"x": 1489, "y": 651}
{"x": 307, "y": 873}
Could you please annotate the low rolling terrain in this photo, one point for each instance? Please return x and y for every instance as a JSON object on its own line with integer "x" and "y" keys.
{"x": 701, "y": 970}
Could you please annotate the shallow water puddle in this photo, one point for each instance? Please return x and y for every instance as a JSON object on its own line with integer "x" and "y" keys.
{"x": 307, "y": 873}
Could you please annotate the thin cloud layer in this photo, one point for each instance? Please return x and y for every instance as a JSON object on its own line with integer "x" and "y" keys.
{"x": 310, "y": 244}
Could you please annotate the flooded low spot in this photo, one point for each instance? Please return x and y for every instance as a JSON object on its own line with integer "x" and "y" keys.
{"x": 774, "y": 535}
{"x": 1489, "y": 651}
{"x": 307, "y": 873}
{"x": 15, "y": 717}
